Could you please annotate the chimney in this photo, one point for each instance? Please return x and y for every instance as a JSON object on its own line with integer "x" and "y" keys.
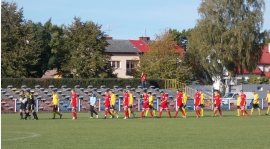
{"x": 144, "y": 38}
{"x": 109, "y": 38}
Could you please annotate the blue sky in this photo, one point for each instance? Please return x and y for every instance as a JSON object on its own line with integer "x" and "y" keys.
{"x": 127, "y": 18}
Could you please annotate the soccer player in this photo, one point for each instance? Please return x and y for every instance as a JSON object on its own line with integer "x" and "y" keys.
{"x": 218, "y": 103}
{"x": 31, "y": 105}
{"x": 73, "y": 102}
{"x": 23, "y": 101}
{"x": 55, "y": 103}
{"x": 197, "y": 98}
{"x": 256, "y": 103}
{"x": 202, "y": 102}
{"x": 107, "y": 105}
{"x": 268, "y": 99}
{"x": 93, "y": 99}
{"x": 145, "y": 103}
{"x": 243, "y": 103}
{"x": 151, "y": 105}
{"x": 179, "y": 99}
{"x": 125, "y": 103}
{"x": 164, "y": 104}
{"x": 184, "y": 101}
{"x": 112, "y": 105}
{"x": 130, "y": 104}
{"x": 238, "y": 104}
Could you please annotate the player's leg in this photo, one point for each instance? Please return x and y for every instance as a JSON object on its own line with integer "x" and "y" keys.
{"x": 220, "y": 111}
{"x": 73, "y": 113}
{"x": 176, "y": 112}
{"x": 252, "y": 109}
{"x": 142, "y": 114}
{"x": 126, "y": 112}
{"x": 146, "y": 112}
{"x": 160, "y": 111}
{"x": 21, "y": 113}
{"x": 238, "y": 110}
{"x": 198, "y": 111}
{"x": 202, "y": 110}
{"x": 91, "y": 111}
{"x": 169, "y": 112}
{"x": 268, "y": 109}
{"x": 184, "y": 110}
{"x": 259, "y": 110}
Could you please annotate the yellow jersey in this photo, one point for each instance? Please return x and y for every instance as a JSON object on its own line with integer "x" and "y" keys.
{"x": 238, "y": 101}
{"x": 268, "y": 97}
{"x": 131, "y": 99}
{"x": 55, "y": 99}
{"x": 151, "y": 100}
{"x": 202, "y": 99}
{"x": 184, "y": 101}
{"x": 113, "y": 99}
{"x": 256, "y": 99}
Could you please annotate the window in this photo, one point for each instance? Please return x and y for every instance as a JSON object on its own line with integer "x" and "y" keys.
{"x": 115, "y": 64}
{"x": 130, "y": 65}
{"x": 260, "y": 88}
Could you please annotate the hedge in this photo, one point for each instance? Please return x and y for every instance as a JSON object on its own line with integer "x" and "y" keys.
{"x": 95, "y": 82}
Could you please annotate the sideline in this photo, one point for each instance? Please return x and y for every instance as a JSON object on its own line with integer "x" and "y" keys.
{"x": 31, "y": 135}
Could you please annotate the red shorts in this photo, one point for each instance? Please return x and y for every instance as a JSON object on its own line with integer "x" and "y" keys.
{"x": 164, "y": 106}
{"x": 145, "y": 106}
{"x": 107, "y": 107}
{"x": 197, "y": 106}
{"x": 179, "y": 106}
{"x": 74, "y": 106}
{"x": 125, "y": 105}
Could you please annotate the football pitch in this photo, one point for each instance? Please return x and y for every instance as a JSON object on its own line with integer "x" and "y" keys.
{"x": 208, "y": 132}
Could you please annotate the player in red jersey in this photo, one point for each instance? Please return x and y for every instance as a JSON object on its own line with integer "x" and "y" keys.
{"x": 164, "y": 104}
{"x": 217, "y": 100}
{"x": 197, "y": 98}
{"x": 179, "y": 99}
{"x": 125, "y": 103}
{"x": 73, "y": 103}
{"x": 145, "y": 103}
{"x": 107, "y": 105}
{"x": 243, "y": 103}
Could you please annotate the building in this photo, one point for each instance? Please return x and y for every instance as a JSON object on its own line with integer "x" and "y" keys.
{"x": 125, "y": 55}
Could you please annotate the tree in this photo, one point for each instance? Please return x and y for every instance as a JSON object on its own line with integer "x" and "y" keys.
{"x": 227, "y": 37}
{"x": 162, "y": 60}
{"x": 181, "y": 37}
{"x": 87, "y": 44}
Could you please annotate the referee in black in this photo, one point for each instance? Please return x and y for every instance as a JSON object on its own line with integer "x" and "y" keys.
{"x": 31, "y": 105}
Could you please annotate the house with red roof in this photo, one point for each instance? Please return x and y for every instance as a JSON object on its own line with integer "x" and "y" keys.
{"x": 264, "y": 63}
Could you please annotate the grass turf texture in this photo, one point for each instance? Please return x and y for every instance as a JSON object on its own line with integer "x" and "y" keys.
{"x": 229, "y": 131}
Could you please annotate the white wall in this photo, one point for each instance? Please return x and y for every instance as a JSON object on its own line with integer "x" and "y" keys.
{"x": 121, "y": 72}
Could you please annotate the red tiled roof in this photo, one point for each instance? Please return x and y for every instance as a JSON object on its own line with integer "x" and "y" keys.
{"x": 256, "y": 71}
{"x": 265, "y": 56}
{"x": 267, "y": 74}
{"x": 140, "y": 45}
{"x": 49, "y": 73}
{"x": 180, "y": 49}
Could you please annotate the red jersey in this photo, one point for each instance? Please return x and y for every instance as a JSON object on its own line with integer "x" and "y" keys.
{"x": 217, "y": 100}
{"x": 197, "y": 99}
{"x": 179, "y": 99}
{"x": 126, "y": 97}
{"x": 74, "y": 101}
{"x": 143, "y": 77}
{"x": 146, "y": 100}
{"x": 107, "y": 100}
{"x": 243, "y": 100}
{"x": 163, "y": 98}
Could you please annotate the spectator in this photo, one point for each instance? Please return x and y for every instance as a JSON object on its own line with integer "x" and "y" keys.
{"x": 93, "y": 99}
{"x": 143, "y": 79}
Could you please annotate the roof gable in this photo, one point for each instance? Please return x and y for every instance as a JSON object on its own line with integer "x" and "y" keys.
{"x": 140, "y": 45}
{"x": 265, "y": 56}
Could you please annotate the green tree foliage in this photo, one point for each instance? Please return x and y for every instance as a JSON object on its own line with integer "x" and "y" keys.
{"x": 162, "y": 60}
{"x": 181, "y": 37}
{"x": 227, "y": 36}
{"x": 87, "y": 44}
{"x": 24, "y": 46}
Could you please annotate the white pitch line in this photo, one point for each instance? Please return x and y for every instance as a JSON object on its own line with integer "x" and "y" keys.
{"x": 31, "y": 135}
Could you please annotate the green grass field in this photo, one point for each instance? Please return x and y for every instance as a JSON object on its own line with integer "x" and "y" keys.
{"x": 206, "y": 132}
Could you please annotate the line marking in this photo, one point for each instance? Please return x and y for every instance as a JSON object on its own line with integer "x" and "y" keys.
{"x": 31, "y": 135}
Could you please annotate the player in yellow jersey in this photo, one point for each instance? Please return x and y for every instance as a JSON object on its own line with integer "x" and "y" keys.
{"x": 130, "y": 104}
{"x": 112, "y": 104}
{"x": 268, "y": 99}
{"x": 202, "y": 102}
{"x": 256, "y": 103}
{"x": 184, "y": 101}
{"x": 238, "y": 98}
{"x": 151, "y": 106}
{"x": 55, "y": 103}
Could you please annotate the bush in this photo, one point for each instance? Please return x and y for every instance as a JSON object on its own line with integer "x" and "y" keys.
{"x": 96, "y": 82}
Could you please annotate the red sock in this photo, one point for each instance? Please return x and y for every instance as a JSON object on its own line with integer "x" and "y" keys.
{"x": 126, "y": 113}
{"x": 199, "y": 113}
{"x": 241, "y": 112}
{"x": 142, "y": 114}
{"x": 182, "y": 113}
{"x": 160, "y": 113}
{"x": 176, "y": 113}
{"x": 215, "y": 112}
{"x": 220, "y": 112}
{"x": 73, "y": 114}
{"x": 196, "y": 112}
{"x": 246, "y": 112}
{"x": 169, "y": 113}
{"x": 151, "y": 113}
{"x": 105, "y": 112}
